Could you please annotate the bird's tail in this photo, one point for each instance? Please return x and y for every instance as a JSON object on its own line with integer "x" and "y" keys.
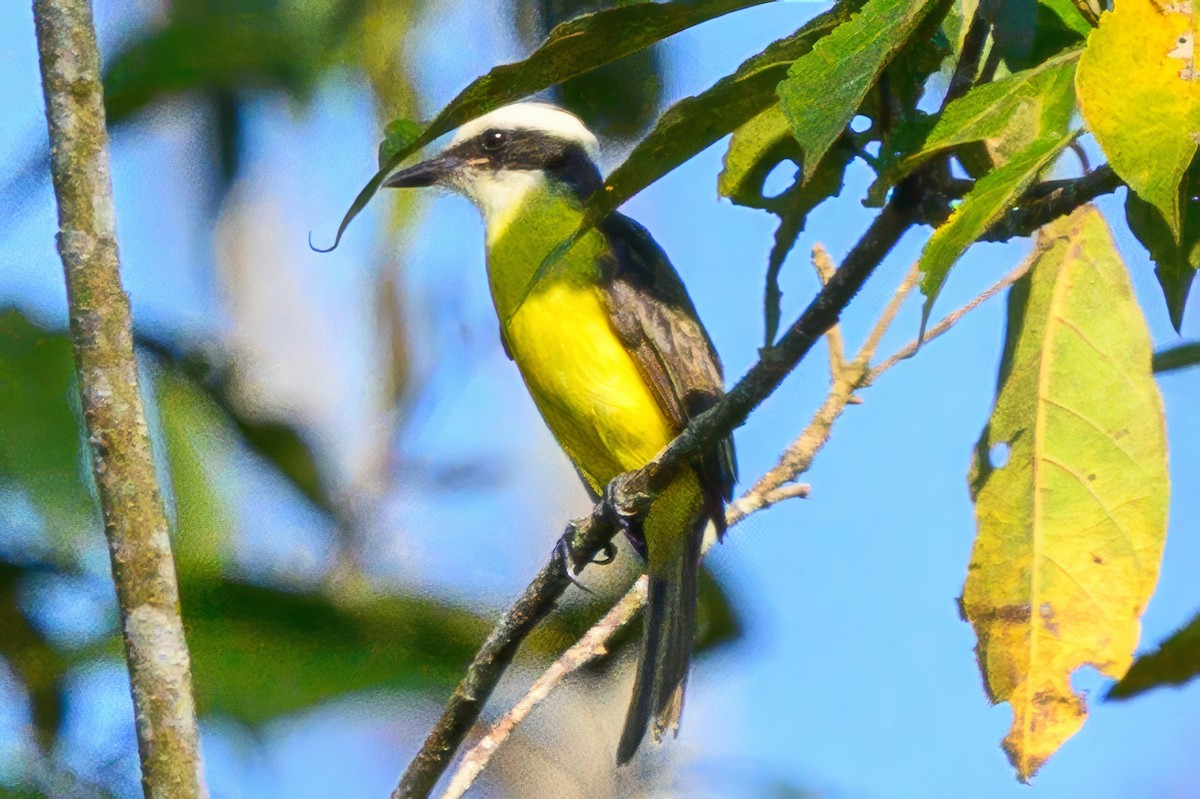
{"x": 668, "y": 634}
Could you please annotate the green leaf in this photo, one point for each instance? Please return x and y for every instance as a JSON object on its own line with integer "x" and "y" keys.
{"x": 1176, "y": 262}
{"x": 1140, "y": 100}
{"x": 261, "y": 652}
{"x": 695, "y": 123}
{"x": 397, "y": 136}
{"x": 573, "y": 48}
{"x": 743, "y": 103}
{"x": 199, "y": 440}
{"x": 754, "y": 150}
{"x": 1175, "y": 662}
{"x": 1007, "y": 114}
{"x": 1072, "y": 524}
{"x": 1183, "y": 356}
{"x": 988, "y": 200}
{"x": 824, "y": 89}
{"x": 1068, "y": 13}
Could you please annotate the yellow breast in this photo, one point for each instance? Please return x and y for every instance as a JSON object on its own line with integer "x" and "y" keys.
{"x": 586, "y": 385}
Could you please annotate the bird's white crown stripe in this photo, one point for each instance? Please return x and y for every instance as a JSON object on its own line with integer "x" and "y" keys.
{"x": 532, "y": 116}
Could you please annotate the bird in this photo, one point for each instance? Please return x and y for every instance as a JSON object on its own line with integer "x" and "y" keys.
{"x": 612, "y": 352}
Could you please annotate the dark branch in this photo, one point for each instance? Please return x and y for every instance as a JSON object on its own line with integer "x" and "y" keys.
{"x": 1051, "y": 199}
{"x": 630, "y": 493}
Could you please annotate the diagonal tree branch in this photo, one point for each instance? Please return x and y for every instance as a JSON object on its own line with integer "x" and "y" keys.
{"x": 630, "y": 493}
{"x": 101, "y": 337}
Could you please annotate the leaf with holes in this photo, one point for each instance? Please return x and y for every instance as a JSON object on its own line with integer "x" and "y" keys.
{"x": 1140, "y": 97}
{"x": 824, "y": 89}
{"x": 1071, "y": 529}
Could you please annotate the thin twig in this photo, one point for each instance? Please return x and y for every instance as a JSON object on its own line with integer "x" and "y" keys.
{"x": 949, "y": 321}
{"x": 822, "y": 261}
{"x": 134, "y": 519}
{"x": 630, "y": 493}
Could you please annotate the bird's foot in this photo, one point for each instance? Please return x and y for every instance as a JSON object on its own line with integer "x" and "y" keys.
{"x": 571, "y": 565}
{"x": 622, "y": 501}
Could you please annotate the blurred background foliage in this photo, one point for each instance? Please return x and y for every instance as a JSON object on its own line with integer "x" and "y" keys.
{"x": 265, "y": 644}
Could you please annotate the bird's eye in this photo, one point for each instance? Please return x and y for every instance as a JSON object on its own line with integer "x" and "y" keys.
{"x": 494, "y": 139}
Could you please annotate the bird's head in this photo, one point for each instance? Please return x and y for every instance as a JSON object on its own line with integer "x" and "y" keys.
{"x": 495, "y": 159}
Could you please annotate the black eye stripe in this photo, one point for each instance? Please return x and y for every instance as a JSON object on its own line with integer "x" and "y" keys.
{"x": 520, "y": 149}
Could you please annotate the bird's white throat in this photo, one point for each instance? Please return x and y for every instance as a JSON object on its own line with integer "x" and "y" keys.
{"x": 499, "y": 195}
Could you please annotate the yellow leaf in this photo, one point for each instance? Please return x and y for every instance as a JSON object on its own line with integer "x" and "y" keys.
{"x": 1071, "y": 528}
{"x": 1139, "y": 93}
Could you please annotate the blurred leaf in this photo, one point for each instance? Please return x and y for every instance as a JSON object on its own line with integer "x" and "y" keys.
{"x": 1175, "y": 662}
{"x": 717, "y": 622}
{"x": 1175, "y": 263}
{"x": 279, "y": 444}
{"x": 824, "y": 89}
{"x": 193, "y": 428}
{"x": 228, "y": 46}
{"x": 42, "y": 451}
{"x": 987, "y": 201}
{"x": 1072, "y": 525}
{"x": 1008, "y": 113}
{"x": 397, "y": 136}
{"x": 1014, "y": 23}
{"x": 1172, "y": 359}
{"x": 697, "y": 122}
{"x": 572, "y": 48}
{"x": 262, "y": 652}
{"x": 618, "y": 100}
{"x": 33, "y": 660}
{"x": 1140, "y": 101}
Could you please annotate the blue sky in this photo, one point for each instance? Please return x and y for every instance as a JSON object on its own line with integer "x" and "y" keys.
{"x": 855, "y": 676}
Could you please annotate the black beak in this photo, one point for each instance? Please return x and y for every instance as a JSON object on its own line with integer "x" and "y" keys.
{"x": 425, "y": 173}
